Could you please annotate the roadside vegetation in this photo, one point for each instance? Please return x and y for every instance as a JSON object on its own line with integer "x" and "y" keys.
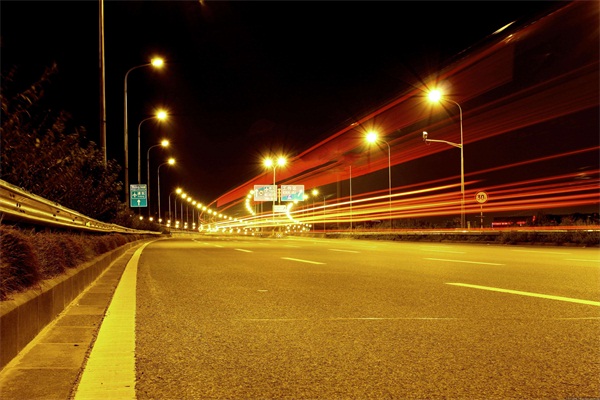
{"x": 45, "y": 154}
{"x": 27, "y": 257}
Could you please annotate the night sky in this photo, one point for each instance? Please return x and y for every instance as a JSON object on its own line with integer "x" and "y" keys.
{"x": 243, "y": 79}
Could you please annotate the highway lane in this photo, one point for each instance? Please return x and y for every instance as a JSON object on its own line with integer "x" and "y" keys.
{"x": 303, "y": 318}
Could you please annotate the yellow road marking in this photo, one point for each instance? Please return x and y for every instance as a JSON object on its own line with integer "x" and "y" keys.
{"x": 110, "y": 370}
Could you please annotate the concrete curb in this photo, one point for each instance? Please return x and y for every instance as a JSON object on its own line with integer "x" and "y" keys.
{"x": 24, "y": 317}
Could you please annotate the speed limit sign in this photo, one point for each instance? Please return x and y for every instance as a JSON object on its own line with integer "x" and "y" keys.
{"x": 481, "y": 197}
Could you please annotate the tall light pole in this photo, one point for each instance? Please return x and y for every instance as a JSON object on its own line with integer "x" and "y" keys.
{"x": 163, "y": 143}
{"x": 436, "y": 96}
{"x": 270, "y": 163}
{"x": 183, "y": 196}
{"x": 160, "y": 115}
{"x": 170, "y": 162}
{"x": 187, "y": 211}
{"x": 372, "y": 138}
{"x": 176, "y": 191}
{"x": 157, "y": 63}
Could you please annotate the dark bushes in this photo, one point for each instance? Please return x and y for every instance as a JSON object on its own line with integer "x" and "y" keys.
{"x": 27, "y": 257}
{"x": 19, "y": 265}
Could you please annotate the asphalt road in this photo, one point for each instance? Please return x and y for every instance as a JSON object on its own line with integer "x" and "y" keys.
{"x": 345, "y": 319}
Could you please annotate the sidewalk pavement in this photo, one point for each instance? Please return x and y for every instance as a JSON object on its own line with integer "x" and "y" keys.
{"x": 49, "y": 368}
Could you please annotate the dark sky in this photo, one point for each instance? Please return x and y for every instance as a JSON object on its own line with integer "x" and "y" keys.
{"x": 243, "y": 79}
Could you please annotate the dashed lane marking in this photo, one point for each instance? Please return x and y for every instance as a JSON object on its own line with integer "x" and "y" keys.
{"x": 300, "y": 260}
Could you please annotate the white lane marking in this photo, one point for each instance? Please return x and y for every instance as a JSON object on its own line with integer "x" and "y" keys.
{"x": 541, "y": 251}
{"x": 352, "y": 319}
{"x": 244, "y": 250}
{"x": 299, "y": 260}
{"x": 441, "y": 250}
{"x": 530, "y": 294}
{"x": 462, "y": 261}
{"x": 110, "y": 369}
{"x": 581, "y": 259}
{"x": 344, "y": 251}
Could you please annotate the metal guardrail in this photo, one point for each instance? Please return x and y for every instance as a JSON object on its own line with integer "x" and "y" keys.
{"x": 18, "y": 205}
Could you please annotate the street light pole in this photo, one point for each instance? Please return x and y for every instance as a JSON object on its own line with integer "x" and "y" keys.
{"x": 163, "y": 143}
{"x": 160, "y": 115}
{"x": 170, "y": 162}
{"x": 372, "y": 137}
{"x": 268, "y": 162}
{"x": 156, "y": 62}
{"x": 435, "y": 95}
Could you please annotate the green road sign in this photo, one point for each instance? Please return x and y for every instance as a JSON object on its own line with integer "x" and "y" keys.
{"x": 138, "y": 195}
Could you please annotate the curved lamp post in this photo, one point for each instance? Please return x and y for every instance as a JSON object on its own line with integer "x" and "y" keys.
{"x": 176, "y": 191}
{"x": 170, "y": 162}
{"x": 157, "y": 63}
{"x": 373, "y": 138}
{"x": 315, "y": 193}
{"x": 436, "y": 96}
{"x": 160, "y": 115}
{"x": 183, "y": 196}
{"x": 163, "y": 143}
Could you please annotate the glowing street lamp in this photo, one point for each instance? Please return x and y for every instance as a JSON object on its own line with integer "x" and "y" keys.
{"x": 157, "y": 63}
{"x": 170, "y": 162}
{"x": 436, "y": 96}
{"x": 373, "y": 138}
{"x": 163, "y": 143}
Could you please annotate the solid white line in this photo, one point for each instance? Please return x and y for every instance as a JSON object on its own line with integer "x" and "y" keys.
{"x": 299, "y": 260}
{"x": 244, "y": 250}
{"x": 345, "y": 251}
{"x": 530, "y": 294}
{"x": 462, "y": 261}
{"x": 352, "y": 319}
{"x": 110, "y": 370}
{"x": 441, "y": 250}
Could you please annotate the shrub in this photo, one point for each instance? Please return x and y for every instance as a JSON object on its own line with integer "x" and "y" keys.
{"x": 19, "y": 264}
{"x": 51, "y": 255}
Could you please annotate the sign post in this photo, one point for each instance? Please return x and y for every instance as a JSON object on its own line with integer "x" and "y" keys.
{"x": 481, "y": 197}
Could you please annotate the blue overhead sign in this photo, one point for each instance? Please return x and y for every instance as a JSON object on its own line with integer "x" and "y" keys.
{"x": 292, "y": 192}
{"x": 138, "y": 195}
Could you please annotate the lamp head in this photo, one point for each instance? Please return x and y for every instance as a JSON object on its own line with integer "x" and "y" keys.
{"x": 371, "y": 137}
{"x": 435, "y": 96}
{"x": 161, "y": 114}
{"x": 424, "y": 136}
{"x": 157, "y": 62}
